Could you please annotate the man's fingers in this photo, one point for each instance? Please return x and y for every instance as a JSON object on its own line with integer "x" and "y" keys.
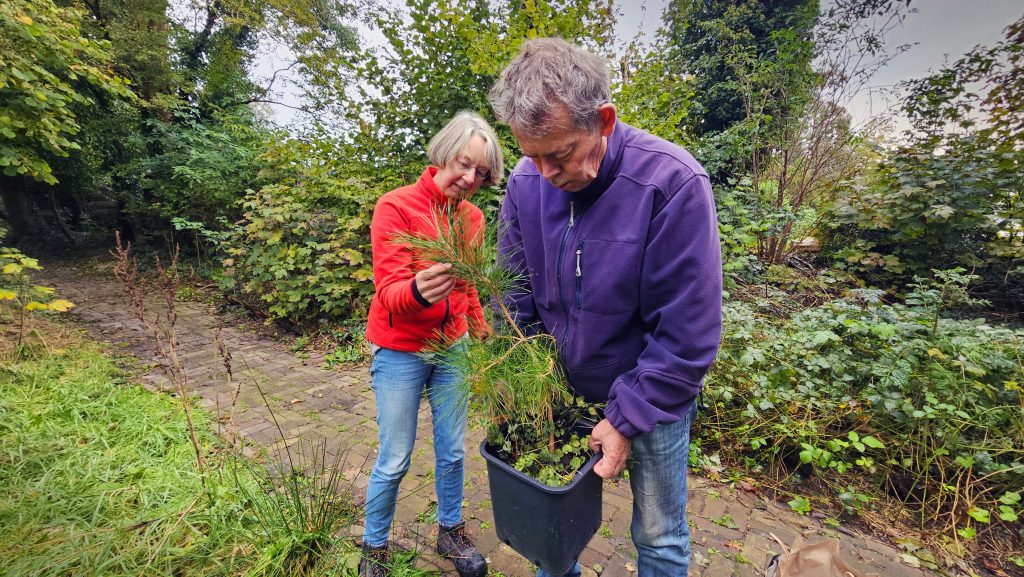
{"x": 613, "y": 445}
{"x": 610, "y": 466}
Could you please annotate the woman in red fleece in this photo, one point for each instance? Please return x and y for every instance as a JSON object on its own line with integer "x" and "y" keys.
{"x": 413, "y": 305}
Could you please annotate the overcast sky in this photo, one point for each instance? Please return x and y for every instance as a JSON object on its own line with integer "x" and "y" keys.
{"x": 941, "y": 31}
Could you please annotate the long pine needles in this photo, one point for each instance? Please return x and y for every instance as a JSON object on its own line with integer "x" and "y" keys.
{"x": 515, "y": 379}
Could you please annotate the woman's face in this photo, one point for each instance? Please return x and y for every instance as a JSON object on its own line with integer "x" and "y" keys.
{"x": 462, "y": 177}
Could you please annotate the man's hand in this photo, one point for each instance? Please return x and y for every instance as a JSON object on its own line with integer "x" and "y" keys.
{"x": 435, "y": 283}
{"x": 614, "y": 446}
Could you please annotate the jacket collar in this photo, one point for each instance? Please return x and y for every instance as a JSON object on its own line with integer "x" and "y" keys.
{"x": 427, "y": 185}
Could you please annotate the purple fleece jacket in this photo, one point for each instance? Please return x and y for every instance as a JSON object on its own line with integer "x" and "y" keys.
{"x": 626, "y": 275}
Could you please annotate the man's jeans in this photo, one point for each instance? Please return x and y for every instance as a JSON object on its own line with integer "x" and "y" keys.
{"x": 399, "y": 380}
{"x": 658, "y": 479}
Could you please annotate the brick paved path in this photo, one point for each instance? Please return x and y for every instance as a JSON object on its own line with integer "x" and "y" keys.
{"x": 732, "y": 529}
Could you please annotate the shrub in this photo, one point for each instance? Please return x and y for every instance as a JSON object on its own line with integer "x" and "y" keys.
{"x": 16, "y": 286}
{"x": 201, "y": 170}
{"x": 302, "y": 248}
{"x": 928, "y": 210}
{"x": 883, "y": 392}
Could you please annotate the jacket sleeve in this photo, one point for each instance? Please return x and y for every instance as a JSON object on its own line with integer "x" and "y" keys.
{"x": 393, "y": 273}
{"x": 681, "y": 306}
{"x": 519, "y": 300}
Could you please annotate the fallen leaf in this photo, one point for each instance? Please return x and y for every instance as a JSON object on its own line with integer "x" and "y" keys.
{"x": 700, "y": 559}
{"x": 908, "y": 544}
{"x": 61, "y": 305}
{"x": 631, "y": 567}
{"x": 994, "y": 568}
{"x": 748, "y": 485}
{"x": 293, "y": 401}
{"x": 910, "y": 560}
{"x": 734, "y": 545}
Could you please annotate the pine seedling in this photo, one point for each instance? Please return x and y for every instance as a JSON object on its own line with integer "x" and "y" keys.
{"x": 515, "y": 379}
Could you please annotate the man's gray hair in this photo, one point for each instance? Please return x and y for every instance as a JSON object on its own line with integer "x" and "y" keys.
{"x": 549, "y": 73}
{"x": 450, "y": 141}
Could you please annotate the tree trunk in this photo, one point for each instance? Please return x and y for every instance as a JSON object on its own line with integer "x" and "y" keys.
{"x": 17, "y": 210}
{"x": 58, "y": 219}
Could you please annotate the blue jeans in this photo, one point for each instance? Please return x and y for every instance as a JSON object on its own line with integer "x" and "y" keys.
{"x": 399, "y": 380}
{"x": 658, "y": 479}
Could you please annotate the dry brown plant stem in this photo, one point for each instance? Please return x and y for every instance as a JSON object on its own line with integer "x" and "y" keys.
{"x": 162, "y": 333}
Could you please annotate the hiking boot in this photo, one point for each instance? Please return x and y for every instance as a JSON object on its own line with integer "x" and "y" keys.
{"x": 375, "y": 561}
{"x": 454, "y": 544}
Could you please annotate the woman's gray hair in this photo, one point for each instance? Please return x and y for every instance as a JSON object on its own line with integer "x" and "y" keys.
{"x": 450, "y": 141}
{"x": 549, "y": 73}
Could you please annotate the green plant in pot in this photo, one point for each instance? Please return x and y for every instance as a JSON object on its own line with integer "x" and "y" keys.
{"x": 546, "y": 498}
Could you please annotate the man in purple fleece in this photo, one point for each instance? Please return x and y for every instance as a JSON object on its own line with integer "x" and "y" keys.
{"x": 615, "y": 233}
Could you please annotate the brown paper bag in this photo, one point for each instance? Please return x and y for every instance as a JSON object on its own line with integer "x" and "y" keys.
{"x": 817, "y": 560}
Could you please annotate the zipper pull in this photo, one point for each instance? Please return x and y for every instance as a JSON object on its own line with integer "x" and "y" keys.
{"x": 579, "y": 253}
{"x": 572, "y": 213}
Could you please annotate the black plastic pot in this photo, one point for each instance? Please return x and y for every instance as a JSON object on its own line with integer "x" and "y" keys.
{"x": 550, "y": 526}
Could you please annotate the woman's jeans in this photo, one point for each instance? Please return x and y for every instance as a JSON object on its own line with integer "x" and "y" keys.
{"x": 399, "y": 380}
{"x": 658, "y": 479}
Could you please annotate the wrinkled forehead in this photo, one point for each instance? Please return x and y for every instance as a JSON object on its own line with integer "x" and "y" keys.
{"x": 552, "y": 142}
{"x": 557, "y": 116}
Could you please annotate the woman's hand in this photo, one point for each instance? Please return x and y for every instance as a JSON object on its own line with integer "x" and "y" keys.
{"x": 434, "y": 283}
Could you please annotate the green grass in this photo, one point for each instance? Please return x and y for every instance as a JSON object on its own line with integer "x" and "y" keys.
{"x": 95, "y": 473}
{"x": 98, "y": 477}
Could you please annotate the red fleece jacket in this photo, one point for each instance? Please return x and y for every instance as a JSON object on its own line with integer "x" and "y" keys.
{"x": 400, "y": 318}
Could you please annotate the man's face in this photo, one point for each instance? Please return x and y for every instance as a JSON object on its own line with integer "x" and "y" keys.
{"x": 567, "y": 156}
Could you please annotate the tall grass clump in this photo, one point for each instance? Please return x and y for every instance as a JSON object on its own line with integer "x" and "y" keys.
{"x": 514, "y": 378}
{"x": 301, "y": 507}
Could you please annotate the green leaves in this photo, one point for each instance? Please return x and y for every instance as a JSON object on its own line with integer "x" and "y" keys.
{"x": 48, "y": 63}
{"x": 800, "y": 504}
{"x": 857, "y": 388}
{"x": 822, "y": 337}
{"x": 861, "y": 444}
{"x": 873, "y": 443}
{"x": 950, "y": 196}
{"x": 978, "y": 514}
{"x": 200, "y": 171}
{"x": 1009, "y": 504}
{"x": 302, "y": 246}
{"x": 405, "y": 93}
